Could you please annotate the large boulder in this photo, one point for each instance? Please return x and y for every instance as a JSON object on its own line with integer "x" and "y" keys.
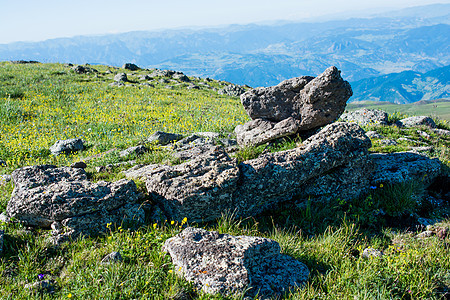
{"x": 417, "y": 121}
{"x": 314, "y": 102}
{"x": 226, "y": 264}
{"x": 200, "y": 189}
{"x": 63, "y": 198}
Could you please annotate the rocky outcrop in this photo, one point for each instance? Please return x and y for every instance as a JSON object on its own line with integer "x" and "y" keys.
{"x": 200, "y": 189}
{"x": 208, "y": 185}
{"x": 313, "y": 102}
{"x": 63, "y": 198}
{"x": 67, "y": 146}
{"x": 366, "y": 116}
{"x": 226, "y": 264}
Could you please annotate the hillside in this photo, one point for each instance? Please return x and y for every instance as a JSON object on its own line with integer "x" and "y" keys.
{"x": 263, "y": 55}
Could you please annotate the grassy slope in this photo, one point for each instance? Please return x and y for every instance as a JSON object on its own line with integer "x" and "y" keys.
{"x": 42, "y": 103}
{"x": 435, "y": 109}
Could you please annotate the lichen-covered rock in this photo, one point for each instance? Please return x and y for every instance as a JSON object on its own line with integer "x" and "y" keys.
{"x": 67, "y": 146}
{"x": 45, "y": 195}
{"x": 403, "y": 167}
{"x": 366, "y": 116}
{"x": 232, "y": 90}
{"x": 136, "y": 150}
{"x": 226, "y": 264}
{"x": 200, "y": 189}
{"x": 417, "y": 121}
{"x": 257, "y": 132}
{"x": 164, "y": 138}
{"x": 314, "y": 102}
{"x": 121, "y": 77}
{"x": 276, "y": 177}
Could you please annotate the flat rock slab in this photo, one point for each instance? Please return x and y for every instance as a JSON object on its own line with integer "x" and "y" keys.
{"x": 226, "y": 264}
{"x": 313, "y": 101}
{"x": 366, "y": 116}
{"x": 64, "y": 199}
{"x": 259, "y": 131}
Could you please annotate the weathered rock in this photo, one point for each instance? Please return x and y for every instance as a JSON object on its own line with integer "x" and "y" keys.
{"x": 232, "y": 90}
{"x": 425, "y": 234}
{"x": 164, "y": 138}
{"x": 139, "y": 171}
{"x": 4, "y": 179}
{"x": 366, "y": 116}
{"x": 276, "y": 177}
{"x": 313, "y": 101}
{"x": 404, "y": 167}
{"x": 46, "y": 194}
{"x": 181, "y": 77}
{"x": 121, "y": 77}
{"x": 374, "y": 135}
{"x": 113, "y": 257}
{"x": 145, "y": 77}
{"x": 163, "y": 73}
{"x": 83, "y": 70}
{"x": 438, "y": 131}
{"x": 371, "y": 252}
{"x": 130, "y": 66}
{"x": 192, "y": 146}
{"x": 226, "y": 264}
{"x": 200, "y": 189}
{"x": 136, "y": 150}
{"x": 193, "y": 87}
{"x": 67, "y": 146}
{"x": 257, "y": 132}
{"x": 42, "y": 286}
{"x": 417, "y": 121}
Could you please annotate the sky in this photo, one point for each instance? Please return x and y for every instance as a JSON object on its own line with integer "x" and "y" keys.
{"x": 37, "y": 20}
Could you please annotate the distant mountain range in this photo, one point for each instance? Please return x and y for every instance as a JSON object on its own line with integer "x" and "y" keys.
{"x": 413, "y": 42}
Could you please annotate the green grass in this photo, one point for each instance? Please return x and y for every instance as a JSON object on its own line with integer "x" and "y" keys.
{"x": 42, "y": 103}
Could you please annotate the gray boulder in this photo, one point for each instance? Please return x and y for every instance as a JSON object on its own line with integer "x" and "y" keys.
{"x": 200, "y": 189}
{"x": 130, "y": 66}
{"x": 4, "y": 179}
{"x": 67, "y": 146}
{"x": 47, "y": 196}
{"x": 140, "y": 171}
{"x": 226, "y": 264}
{"x": 366, "y": 116}
{"x": 192, "y": 146}
{"x": 121, "y": 77}
{"x": 113, "y": 257}
{"x": 83, "y": 70}
{"x": 417, "y": 121}
{"x": 181, "y": 77}
{"x": 136, "y": 150}
{"x": 164, "y": 138}
{"x": 403, "y": 167}
{"x": 314, "y": 102}
{"x": 276, "y": 177}
{"x": 232, "y": 90}
{"x": 259, "y": 131}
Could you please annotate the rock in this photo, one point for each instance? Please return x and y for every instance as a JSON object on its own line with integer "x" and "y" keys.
{"x": 366, "y": 116}
{"x": 46, "y": 194}
{"x": 259, "y": 131}
{"x": 371, "y": 252}
{"x": 113, "y": 257}
{"x": 404, "y": 167}
{"x": 192, "y": 146}
{"x": 163, "y": 73}
{"x": 268, "y": 180}
{"x": 226, "y": 264}
{"x": 208, "y": 134}
{"x": 4, "y": 218}
{"x": 164, "y": 138}
{"x": 442, "y": 233}
{"x": 130, "y": 66}
{"x": 43, "y": 286}
{"x": 83, "y": 70}
{"x": 314, "y": 102}
{"x": 22, "y": 62}
{"x": 387, "y": 142}
{"x": 200, "y": 189}
{"x": 417, "y": 121}
{"x": 374, "y": 135}
{"x": 121, "y": 77}
{"x": 181, "y": 77}
{"x": 136, "y": 150}
{"x": 4, "y": 179}
{"x": 425, "y": 234}
{"x": 193, "y": 87}
{"x": 139, "y": 171}
{"x": 145, "y": 77}
{"x": 79, "y": 165}
{"x": 423, "y": 134}
{"x": 116, "y": 83}
{"x": 67, "y": 146}
{"x": 232, "y": 90}
{"x": 2, "y": 233}
{"x": 441, "y": 132}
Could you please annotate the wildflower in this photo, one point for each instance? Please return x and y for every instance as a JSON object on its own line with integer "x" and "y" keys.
{"x": 381, "y": 185}
{"x": 154, "y": 226}
{"x": 69, "y": 295}
{"x": 184, "y": 221}
{"x": 172, "y": 222}
{"x": 41, "y": 276}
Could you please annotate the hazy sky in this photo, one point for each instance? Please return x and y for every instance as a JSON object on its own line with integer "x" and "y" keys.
{"x": 35, "y": 20}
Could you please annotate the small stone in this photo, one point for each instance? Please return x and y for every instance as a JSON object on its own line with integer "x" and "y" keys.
{"x": 371, "y": 252}
{"x": 121, "y": 77}
{"x": 67, "y": 146}
{"x": 366, "y": 117}
{"x": 424, "y": 134}
{"x": 113, "y": 257}
{"x": 79, "y": 165}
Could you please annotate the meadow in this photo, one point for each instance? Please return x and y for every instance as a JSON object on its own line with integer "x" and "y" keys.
{"x": 43, "y": 103}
